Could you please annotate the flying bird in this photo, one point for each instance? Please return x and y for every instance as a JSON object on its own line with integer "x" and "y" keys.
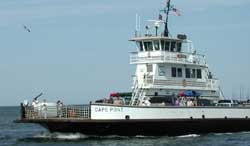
{"x": 26, "y": 28}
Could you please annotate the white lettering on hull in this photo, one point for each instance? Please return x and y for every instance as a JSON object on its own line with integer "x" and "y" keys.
{"x": 108, "y": 109}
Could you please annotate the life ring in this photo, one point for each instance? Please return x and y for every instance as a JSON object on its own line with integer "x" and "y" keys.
{"x": 181, "y": 56}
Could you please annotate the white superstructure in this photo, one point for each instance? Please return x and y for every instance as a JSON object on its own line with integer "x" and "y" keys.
{"x": 167, "y": 66}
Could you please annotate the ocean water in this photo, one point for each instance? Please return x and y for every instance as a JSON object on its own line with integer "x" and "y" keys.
{"x": 13, "y": 134}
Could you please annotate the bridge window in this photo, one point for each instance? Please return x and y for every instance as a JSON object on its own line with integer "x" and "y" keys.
{"x": 173, "y": 47}
{"x": 165, "y": 45}
{"x": 193, "y": 73}
{"x": 162, "y": 45}
{"x": 199, "y": 76}
{"x": 188, "y": 73}
{"x": 148, "y": 46}
{"x": 173, "y": 71}
{"x": 140, "y": 46}
{"x": 179, "y": 47}
{"x": 157, "y": 45}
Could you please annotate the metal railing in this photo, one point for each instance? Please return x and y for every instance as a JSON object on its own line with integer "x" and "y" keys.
{"x": 169, "y": 57}
{"x": 211, "y": 84}
{"x": 56, "y": 112}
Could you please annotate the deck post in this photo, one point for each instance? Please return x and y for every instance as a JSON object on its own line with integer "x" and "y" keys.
{"x": 66, "y": 111}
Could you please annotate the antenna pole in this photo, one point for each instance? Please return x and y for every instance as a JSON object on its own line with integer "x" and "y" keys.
{"x": 248, "y": 92}
{"x": 243, "y": 93}
{"x": 136, "y": 25}
{"x": 240, "y": 92}
{"x": 233, "y": 93}
{"x": 136, "y": 22}
{"x": 167, "y": 9}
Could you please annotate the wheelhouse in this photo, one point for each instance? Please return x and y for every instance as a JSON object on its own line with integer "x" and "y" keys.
{"x": 150, "y": 44}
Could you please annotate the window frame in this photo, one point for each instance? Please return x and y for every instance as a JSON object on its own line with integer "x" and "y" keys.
{"x": 193, "y": 73}
{"x": 179, "y": 46}
{"x": 174, "y": 72}
{"x": 146, "y": 46}
{"x": 167, "y": 42}
{"x": 188, "y": 73}
{"x": 161, "y": 71}
{"x": 171, "y": 48}
{"x": 199, "y": 74}
{"x": 139, "y": 45}
{"x": 156, "y": 42}
{"x": 179, "y": 74}
{"x": 162, "y": 45}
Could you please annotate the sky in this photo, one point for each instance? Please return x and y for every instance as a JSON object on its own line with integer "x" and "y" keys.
{"x": 78, "y": 50}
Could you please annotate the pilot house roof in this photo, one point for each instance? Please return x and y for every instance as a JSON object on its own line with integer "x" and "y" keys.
{"x": 180, "y": 38}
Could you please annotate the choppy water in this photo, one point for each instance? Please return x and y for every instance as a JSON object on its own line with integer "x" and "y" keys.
{"x": 12, "y": 134}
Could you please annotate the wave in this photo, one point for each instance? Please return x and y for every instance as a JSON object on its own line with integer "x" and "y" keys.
{"x": 245, "y": 132}
{"x": 228, "y": 133}
{"x": 77, "y": 136}
{"x": 73, "y": 136}
{"x": 60, "y": 136}
{"x": 141, "y": 136}
{"x": 189, "y": 135}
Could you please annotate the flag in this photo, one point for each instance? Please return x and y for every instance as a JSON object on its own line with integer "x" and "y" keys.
{"x": 160, "y": 17}
{"x": 176, "y": 12}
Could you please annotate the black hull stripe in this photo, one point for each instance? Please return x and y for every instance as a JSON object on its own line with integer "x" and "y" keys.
{"x": 145, "y": 127}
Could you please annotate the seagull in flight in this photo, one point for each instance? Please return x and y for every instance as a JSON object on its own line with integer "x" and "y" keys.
{"x": 26, "y": 28}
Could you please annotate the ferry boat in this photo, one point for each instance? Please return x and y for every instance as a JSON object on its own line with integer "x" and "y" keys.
{"x": 173, "y": 93}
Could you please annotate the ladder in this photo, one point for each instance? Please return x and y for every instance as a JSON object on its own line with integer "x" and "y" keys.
{"x": 140, "y": 98}
{"x": 137, "y": 94}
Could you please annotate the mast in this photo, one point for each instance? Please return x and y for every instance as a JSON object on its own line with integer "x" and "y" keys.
{"x": 167, "y": 10}
{"x": 248, "y": 92}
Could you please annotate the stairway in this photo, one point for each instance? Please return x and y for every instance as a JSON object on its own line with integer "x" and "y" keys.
{"x": 137, "y": 94}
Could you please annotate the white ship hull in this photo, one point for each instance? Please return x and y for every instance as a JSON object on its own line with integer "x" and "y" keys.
{"x": 151, "y": 121}
{"x": 108, "y": 112}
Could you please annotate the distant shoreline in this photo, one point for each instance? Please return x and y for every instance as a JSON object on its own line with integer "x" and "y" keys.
{"x": 8, "y": 106}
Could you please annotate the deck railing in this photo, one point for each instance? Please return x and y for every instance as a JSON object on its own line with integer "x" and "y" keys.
{"x": 211, "y": 84}
{"x": 56, "y": 112}
{"x": 169, "y": 57}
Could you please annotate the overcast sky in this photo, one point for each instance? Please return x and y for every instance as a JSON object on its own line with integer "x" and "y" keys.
{"x": 78, "y": 50}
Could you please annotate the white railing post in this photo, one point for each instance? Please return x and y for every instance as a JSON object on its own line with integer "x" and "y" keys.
{"x": 66, "y": 111}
